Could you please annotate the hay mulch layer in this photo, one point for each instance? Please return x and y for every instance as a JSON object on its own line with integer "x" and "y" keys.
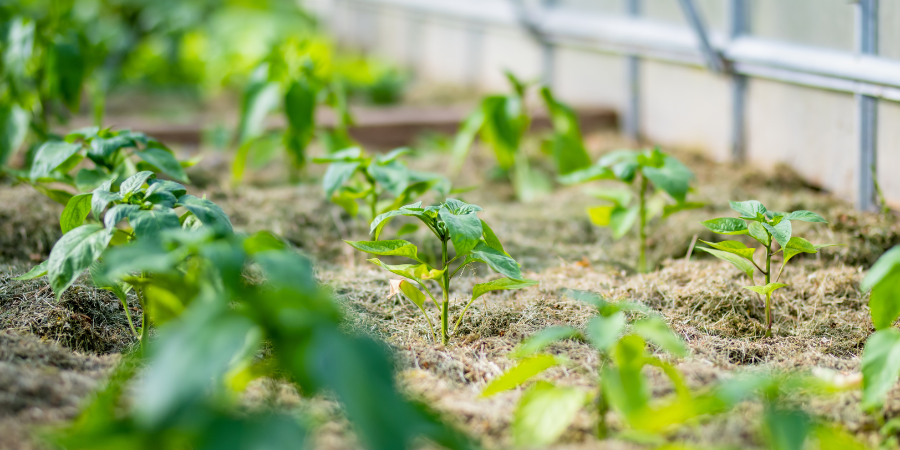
{"x": 821, "y": 319}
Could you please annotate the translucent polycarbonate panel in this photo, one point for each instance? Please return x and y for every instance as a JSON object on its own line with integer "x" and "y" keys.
{"x": 819, "y": 23}
{"x": 714, "y": 13}
{"x": 889, "y": 29}
{"x": 597, "y": 6}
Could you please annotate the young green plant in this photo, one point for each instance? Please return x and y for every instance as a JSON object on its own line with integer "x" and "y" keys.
{"x": 381, "y": 183}
{"x": 452, "y": 222}
{"x": 880, "y": 364}
{"x": 546, "y": 410}
{"x": 658, "y": 176}
{"x": 91, "y": 224}
{"x": 766, "y": 227}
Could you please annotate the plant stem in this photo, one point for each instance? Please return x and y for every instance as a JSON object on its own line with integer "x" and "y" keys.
{"x": 145, "y": 333}
{"x": 769, "y": 295}
{"x": 373, "y": 206}
{"x": 602, "y": 409}
{"x": 642, "y": 210}
{"x": 445, "y": 307}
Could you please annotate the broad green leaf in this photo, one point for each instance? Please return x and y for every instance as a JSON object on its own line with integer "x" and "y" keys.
{"x": 500, "y": 284}
{"x": 465, "y": 230}
{"x": 57, "y": 195}
{"x": 887, "y": 264}
{"x": 76, "y": 210}
{"x": 621, "y": 220}
{"x": 300, "y": 109}
{"x": 836, "y": 438}
{"x": 157, "y": 185}
{"x": 805, "y": 216}
{"x": 35, "y": 272}
{"x": 780, "y": 232}
{"x": 796, "y": 246}
{"x": 603, "y": 331}
{"x": 337, "y": 174}
{"x": 620, "y": 197}
{"x": 544, "y": 412}
{"x": 767, "y": 289}
{"x": 655, "y": 330}
{"x": 460, "y": 207}
{"x": 381, "y": 220}
{"x": 668, "y": 210}
{"x": 396, "y": 247}
{"x": 738, "y": 248}
{"x": 673, "y": 177}
{"x": 884, "y": 302}
{"x": 880, "y": 367}
{"x": 491, "y": 239}
{"x": 530, "y": 184}
{"x": 542, "y": 339}
{"x": 595, "y": 172}
{"x": 414, "y": 271}
{"x": 600, "y": 215}
{"x": 749, "y": 209}
{"x": 503, "y": 127}
{"x": 149, "y": 223}
{"x": 90, "y": 179}
{"x": 101, "y": 198}
{"x": 407, "y": 228}
{"x": 519, "y": 374}
{"x": 351, "y": 154}
{"x": 496, "y": 260}
{"x": 567, "y": 147}
{"x": 757, "y": 231}
{"x": 73, "y": 253}
{"x": 737, "y": 261}
{"x": 133, "y": 183}
{"x": 726, "y": 225}
{"x": 260, "y": 98}
{"x": 13, "y": 129}
{"x": 165, "y": 161}
{"x": 209, "y": 213}
{"x": 67, "y": 69}
{"x": 787, "y": 429}
{"x": 50, "y": 156}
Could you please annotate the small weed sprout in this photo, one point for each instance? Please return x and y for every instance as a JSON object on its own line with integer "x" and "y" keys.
{"x": 766, "y": 227}
{"x": 452, "y": 222}
{"x": 381, "y": 183}
{"x": 666, "y": 174}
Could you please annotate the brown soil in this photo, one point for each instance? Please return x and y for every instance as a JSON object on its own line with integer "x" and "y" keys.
{"x": 821, "y": 320}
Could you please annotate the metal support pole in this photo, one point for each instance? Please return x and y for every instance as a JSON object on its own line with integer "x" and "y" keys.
{"x": 867, "y": 118}
{"x": 713, "y": 59}
{"x": 740, "y": 25}
{"x": 631, "y": 125}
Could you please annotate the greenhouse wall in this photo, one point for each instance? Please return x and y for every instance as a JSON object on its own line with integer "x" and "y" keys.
{"x": 812, "y": 130}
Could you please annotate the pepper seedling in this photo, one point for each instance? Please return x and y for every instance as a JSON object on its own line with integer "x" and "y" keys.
{"x": 667, "y": 176}
{"x": 766, "y": 227}
{"x": 381, "y": 182}
{"x": 452, "y": 222}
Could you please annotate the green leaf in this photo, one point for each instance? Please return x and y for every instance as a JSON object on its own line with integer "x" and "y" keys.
{"x": 209, "y": 213}
{"x": 76, "y": 210}
{"x": 500, "y": 284}
{"x": 884, "y": 302}
{"x": 621, "y": 220}
{"x": 496, "y": 260}
{"x": 595, "y": 172}
{"x": 767, "y": 289}
{"x": 260, "y": 98}
{"x": 73, "y": 253}
{"x": 668, "y": 210}
{"x": 407, "y": 228}
{"x": 749, "y": 209}
{"x": 491, "y": 239}
{"x": 737, "y": 261}
{"x": 603, "y": 331}
{"x": 542, "y": 339}
{"x": 544, "y": 412}
{"x": 300, "y": 110}
{"x": 133, "y": 183}
{"x": 880, "y": 367}
{"x": 50, "y": 156}
{"x": 673, "y": 177}
{"x": 787, "y": 428}
{"x": 149, "y": 223}
{"x": 66, "y": 68}
{"x": 414, "y": 271}
{"x": 620, "y": 197}
{"x": 157, "y": 185}
{"x": 409, "y": 291}
{"x": 519, "y": 374}
{"x": 780, "y": 232}
{"x": 465, "y": 230}
{"x": 396, "y": 247}
{"x": 337, "y": 174}
{"x": 381, "y": 220}
{"x": 726, "y": 225}
{"x": 805, "y": 216}
{"x": 567, "y": 147}
{"x": 757, "y": 231}
{"x": 601, "y": 215}
{"x": 460, "y": 207}
{"x": 57, "y": 195}
{"x": 35, "y": 272}
{"x": 655, "y": 330}
{"x": 738, "y": 248}
{"x": 165, "y": 161}
{"x": 90, "y": 179}
{"x": 13, "y": 129}
{"x": 464, "y": 138}
{"x": 101, "y": 198}
{"x": 887, "y": 265}
{"x": 796, "y": 246}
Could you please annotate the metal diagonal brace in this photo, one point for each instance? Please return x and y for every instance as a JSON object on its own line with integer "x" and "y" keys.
{"x": 714, "y": 60}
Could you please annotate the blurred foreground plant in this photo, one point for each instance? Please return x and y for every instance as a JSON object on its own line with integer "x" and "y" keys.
{"x": 667, "y": 176}
{"x": 455, "y": 222}
{"x": 765, "y": 227}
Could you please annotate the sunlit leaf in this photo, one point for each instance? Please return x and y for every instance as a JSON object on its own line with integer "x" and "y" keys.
{"x": 519, "y": 374}
{"x": 544, "y": 412}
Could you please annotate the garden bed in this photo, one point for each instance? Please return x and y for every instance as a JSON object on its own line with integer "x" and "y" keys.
{"x": 821, "y": 320}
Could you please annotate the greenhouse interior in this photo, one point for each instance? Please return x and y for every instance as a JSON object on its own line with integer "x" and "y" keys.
{"x": 474, "y": 224}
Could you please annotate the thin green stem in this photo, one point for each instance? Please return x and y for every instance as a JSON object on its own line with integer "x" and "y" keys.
{"x": 445, "y": 308}
{"x": 128, "y": 316}
{"x": 427, "y": 291}
{"x": 145, "y": 332}
{"x": 642, "y": 210}
{"x": 373, "y": 203}
{"x": 769, "y": 295}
